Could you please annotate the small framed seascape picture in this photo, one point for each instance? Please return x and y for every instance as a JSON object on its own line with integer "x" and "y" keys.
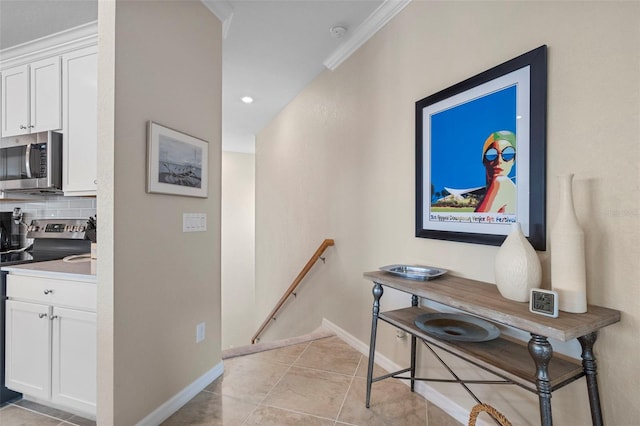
{"x": 176, "y": 162}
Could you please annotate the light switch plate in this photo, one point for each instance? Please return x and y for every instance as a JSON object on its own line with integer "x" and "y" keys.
{"x": 194, "y": 222}
{"x": 200, "y": 330}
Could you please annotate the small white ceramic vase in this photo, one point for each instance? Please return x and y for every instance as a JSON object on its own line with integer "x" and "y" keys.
{"x": 517, "y": 268}
{"x": 568, "y": 267}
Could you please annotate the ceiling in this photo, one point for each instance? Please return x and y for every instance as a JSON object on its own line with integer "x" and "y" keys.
{"x": 271, "y": 49}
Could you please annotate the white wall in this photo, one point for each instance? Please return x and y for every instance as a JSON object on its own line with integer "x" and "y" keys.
{"x": 238, "y": 249}
{"x": 339, "y": 162}
{"x": 158, "y": 61}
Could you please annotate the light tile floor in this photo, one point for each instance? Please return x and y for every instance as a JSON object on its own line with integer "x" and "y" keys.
{"x": 321, "y": 382}
{"x": 23, "y": 413}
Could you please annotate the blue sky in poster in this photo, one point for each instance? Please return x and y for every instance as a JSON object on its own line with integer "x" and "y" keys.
{"x": 458, "y": 134}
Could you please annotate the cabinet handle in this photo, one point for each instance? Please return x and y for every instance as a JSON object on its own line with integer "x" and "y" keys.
{"x": 32, "y": 126}
{"x": 42, "y": 315}
{"x": 48, "y": 291}
{"x": 22, "y": 127}
{"x": 53, "y": 317}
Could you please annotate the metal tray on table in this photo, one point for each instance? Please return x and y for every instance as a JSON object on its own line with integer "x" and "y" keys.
{"x": 414, "y": 272}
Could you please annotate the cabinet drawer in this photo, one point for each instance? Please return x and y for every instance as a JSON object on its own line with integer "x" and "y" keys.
{"x": 75, "y": 294}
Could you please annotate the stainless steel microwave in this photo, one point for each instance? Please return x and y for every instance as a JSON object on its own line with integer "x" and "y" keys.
{"x": 31, "y": 163}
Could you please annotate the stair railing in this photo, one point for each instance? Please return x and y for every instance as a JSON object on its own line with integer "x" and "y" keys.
{"x": 292, "y": 288}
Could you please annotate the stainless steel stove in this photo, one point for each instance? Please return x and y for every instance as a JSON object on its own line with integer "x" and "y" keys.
{"x": 52, "y": 239}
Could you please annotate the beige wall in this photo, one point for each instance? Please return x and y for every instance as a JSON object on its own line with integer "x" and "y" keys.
{"x": 156, "y": 282}
{"x": 339, "y": 162}
{"x": 238, "y": 249}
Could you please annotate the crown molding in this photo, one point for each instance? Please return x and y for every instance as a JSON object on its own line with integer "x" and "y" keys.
{"x": 51, "y": 45}
{"x": 374, "y": 23}
{"x": 223, "y": 10}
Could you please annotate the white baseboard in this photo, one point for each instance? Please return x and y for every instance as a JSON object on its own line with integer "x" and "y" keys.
{"x": 452, "y": 408}
{"x": 176, "y": 402}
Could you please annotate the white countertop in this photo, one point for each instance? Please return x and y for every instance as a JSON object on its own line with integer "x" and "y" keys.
{"x": 79, "y": 270}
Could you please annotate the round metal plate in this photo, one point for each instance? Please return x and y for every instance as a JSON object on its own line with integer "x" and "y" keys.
{"x": 457, "y": 327}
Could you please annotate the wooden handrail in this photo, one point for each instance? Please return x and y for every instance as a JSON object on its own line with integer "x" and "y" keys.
{"x": 317, "y": 255}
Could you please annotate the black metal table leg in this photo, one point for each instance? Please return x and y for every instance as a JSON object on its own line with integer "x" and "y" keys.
{"x": 377, "y": 294}
{"x": 590, "y": 371}
{"x": 541, "y": 352}
{"x": 414, "y": 302}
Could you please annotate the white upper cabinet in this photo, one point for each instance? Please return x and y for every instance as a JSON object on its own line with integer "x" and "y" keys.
{"x": 80, "y": 127}
{"x": 15, "y": 101}
{"x": 45, "y": 95}
{"x": 52, "y": 84}
{"x": 31, "y": 97}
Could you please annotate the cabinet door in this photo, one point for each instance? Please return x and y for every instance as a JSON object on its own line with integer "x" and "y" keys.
{"x": 15, "y": 101}
{"x": 45, "y": 95}
{"x": 28, "y": 348}
{"x": 80, "y": 111}
{"x": 74, "y": 359}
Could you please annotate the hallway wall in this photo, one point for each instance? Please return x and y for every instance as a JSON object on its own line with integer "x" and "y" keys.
{"x": 338, "y": 162}
{"x": 238, "y": 249}
{"x": 159, "y": 61}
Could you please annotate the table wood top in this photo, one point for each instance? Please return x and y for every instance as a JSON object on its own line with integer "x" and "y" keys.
{"x": 484, "y": 300}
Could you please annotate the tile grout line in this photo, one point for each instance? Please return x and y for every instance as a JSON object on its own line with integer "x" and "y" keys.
{"x": 353, "y": 376}
{"x": 297, "y": 412}
{"x": 274, "y": 386}
{"x": 38, "y": 413}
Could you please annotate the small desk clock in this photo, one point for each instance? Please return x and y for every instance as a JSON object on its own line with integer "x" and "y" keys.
{"x": 544, "y": 302}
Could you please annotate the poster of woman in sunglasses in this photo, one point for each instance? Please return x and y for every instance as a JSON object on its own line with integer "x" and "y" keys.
{"x": 481, "y": 155}
{"x": 499, "y": 158}
{"x": 473, "y": 162}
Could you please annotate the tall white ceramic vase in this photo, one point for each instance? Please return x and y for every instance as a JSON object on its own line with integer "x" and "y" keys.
{"x": 517, "y": 267}
{"x": 568, "y": 267}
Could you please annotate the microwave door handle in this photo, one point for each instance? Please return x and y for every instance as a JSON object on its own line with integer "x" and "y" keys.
{"x": 27, "y": 161}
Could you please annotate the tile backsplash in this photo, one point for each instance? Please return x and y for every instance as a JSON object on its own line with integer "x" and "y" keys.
{"x": 52, "y": 207}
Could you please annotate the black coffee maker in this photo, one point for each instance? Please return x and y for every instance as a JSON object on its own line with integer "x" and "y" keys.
{"x": 9, "y": 232}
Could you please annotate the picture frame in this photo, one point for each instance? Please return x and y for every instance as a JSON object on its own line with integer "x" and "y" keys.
{"x": 177, "y": 163}
{"x": 481, "y": 155}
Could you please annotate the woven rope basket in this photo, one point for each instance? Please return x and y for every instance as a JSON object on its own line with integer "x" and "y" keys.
{"x": 498, "y": 416}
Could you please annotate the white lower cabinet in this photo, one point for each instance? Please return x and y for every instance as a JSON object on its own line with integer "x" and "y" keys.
{"x": 28, "y": 351}
{"x": 73, "y": 359}
{"x": 51, "y": 341}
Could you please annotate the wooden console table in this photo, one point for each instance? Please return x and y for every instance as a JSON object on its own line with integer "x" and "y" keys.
{"x": 532, "y": 366}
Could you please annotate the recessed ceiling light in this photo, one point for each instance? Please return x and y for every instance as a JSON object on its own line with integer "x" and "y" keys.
{"x": 247, "y": 99}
